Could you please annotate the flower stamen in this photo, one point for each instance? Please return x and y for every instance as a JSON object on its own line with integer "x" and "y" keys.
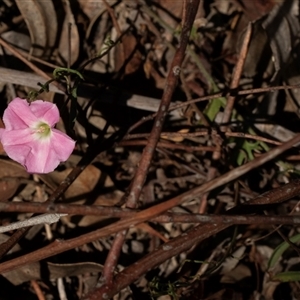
{"x": 43, "y": 130}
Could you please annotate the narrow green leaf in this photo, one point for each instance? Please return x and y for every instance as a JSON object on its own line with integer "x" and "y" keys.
{"x": 287, "y": 276}
{"x": 214, "y": 107}
{"x": 280, "y": 249}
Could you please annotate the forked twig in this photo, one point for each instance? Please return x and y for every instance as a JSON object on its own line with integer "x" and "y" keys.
{"x": 149, "y": 150}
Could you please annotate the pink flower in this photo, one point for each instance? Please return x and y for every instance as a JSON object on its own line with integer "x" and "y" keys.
{"x": 30, "y": 138}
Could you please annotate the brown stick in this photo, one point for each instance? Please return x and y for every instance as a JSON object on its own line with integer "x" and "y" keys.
{"x": 61, "y": 246}
{"x": 171, "y": 82}
{"x": 170, "y": 135}
{"x": 169, "y": 146}
{"x": 29, "y": 64}
{"x": 213, "y": 96}
{"x": 37, "y": 290}
{"x": 180, "y": 244}
{"x": 236, "y": 76}
{"x": 149, "y": 150}
{"x": 64, "y": 185}
{"x": 227, "y": 111}
{"x": 285, "y": 192}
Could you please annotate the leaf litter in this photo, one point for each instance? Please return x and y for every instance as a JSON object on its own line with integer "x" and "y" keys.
{"x": 124, "y": 51}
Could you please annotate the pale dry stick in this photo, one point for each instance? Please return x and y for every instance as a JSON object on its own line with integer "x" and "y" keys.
{"x": 61, "y": 289}
{"x": 149, "y": 213}
{"x": 48, "y": 232}
{"x": 37, "y": 290}
{"x": 139, "y": 178}
{"x": 41, "y": 219}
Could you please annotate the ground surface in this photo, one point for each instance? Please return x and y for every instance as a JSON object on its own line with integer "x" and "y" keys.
{"x": 108, "y": 65}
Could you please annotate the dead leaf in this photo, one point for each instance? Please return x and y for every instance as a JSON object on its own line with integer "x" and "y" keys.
{"x": 35, "y": 20}
{"x": 171, "y": 9}
{"x": 34, "y": 271}
{"x": 64, "y": 38}
{"x": 237, "y": 274}
{"x": 127, "y": 55}
{"x": 50, "y": 20}
{"x": 84, "y": 183}
{"x": 256, "y": 9}
{"x": 10, "y": 174}
{"x": 92, "y": 8}
{"x": 259, "y": 47}
{"x": 282, "y": 28}
{"x": 176, "y": 139}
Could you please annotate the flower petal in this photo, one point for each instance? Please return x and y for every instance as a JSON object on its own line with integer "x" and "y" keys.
{"x": 28, "y": 138}
{"x": 17, "y": 137}
{"x": 17, "y": 143}
{"x": 62, "y": 144}
{"x": 18, "y": 153}
{"x": 45, "y": 111}
{"x": 18, "y": 115}
{"x": 37, "y": 156}
{"x": 41, "y": 159}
